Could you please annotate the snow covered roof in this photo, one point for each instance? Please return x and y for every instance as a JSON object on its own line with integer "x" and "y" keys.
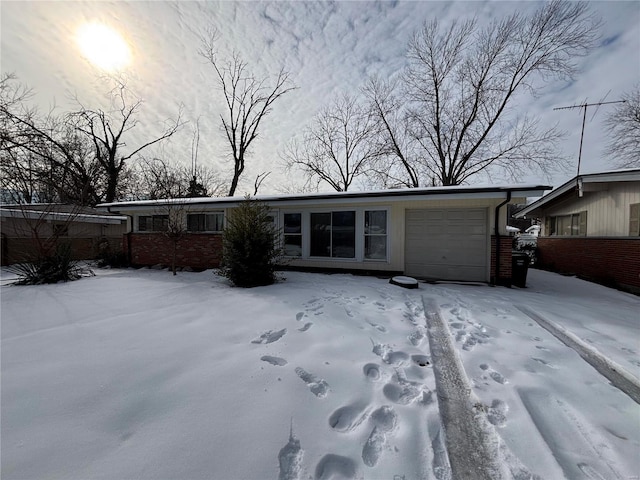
{"x": 32, "y": 214}
{"x": 465, "y": 191}
{"x": 626, "y": 175}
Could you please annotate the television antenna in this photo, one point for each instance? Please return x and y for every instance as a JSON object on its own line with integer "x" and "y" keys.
{"x": 584, "y": 106}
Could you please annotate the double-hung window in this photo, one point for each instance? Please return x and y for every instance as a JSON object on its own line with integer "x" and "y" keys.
{"x": 375, "y": 234}
{"x": 333, "y": 234}
{"x": 205, "y": 222}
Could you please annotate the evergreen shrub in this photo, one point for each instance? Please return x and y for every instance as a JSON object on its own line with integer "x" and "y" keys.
{"x": 250, "y": 245}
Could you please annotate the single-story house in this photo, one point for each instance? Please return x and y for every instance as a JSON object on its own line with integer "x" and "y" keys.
{"x": 30, "y": 230}
{"x": 444, "y": 233}
{"x": 591, "y": 228}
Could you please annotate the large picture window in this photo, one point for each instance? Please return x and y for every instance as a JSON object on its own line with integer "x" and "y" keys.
{"x": 375, "y": 234}
{"x": 293, "y": 234}
{"x": 333, "y": 234}
{"x": 205, "y": 222}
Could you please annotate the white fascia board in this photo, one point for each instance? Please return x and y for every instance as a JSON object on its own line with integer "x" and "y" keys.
{"x": 312, "y": 200}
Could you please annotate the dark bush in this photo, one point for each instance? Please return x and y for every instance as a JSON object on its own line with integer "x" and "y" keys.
{"x": 250, "y": 246}
{"x": 57, "y": 267}
{"x": 113, "y": 259}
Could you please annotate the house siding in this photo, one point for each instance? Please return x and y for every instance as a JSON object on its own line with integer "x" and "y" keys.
{"x": 607, "y": 207}
{"x": 610, "y": 261}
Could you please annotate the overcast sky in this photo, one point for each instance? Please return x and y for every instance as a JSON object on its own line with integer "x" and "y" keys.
{"x": 328, "y": 47}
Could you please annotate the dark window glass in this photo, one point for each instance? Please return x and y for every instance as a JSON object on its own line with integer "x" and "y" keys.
{"x": 320, "y": 234}
{"x": 343, "y": 234}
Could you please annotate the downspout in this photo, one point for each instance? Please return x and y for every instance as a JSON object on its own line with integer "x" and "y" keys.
{"x": 127, "y": 234}
{"x": 496, "y": 276}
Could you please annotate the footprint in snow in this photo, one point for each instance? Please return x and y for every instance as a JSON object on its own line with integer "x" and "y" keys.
{"x": 497, "y": 413}
{"x": 333, "y": 466}
{"x": 305, "y": 327}
{"x": 372, "y": 371}
{"x": 280, "y": 362}
{"x": 495, "y": 376}
{"x": 299, "y": 316}
{"x": 384, "y": 420}
{"x": 290, "y": 459}
{"x": 270, "y": 336}
{"x": 318, "y": 387}
{"x": 349, "y": 417}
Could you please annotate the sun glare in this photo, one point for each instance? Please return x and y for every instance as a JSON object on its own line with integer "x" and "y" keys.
{"x": 103, "y": 46}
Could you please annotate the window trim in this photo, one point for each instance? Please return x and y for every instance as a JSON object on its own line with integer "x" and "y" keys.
{"x": 579, "y": 219}
{"x": 359, "y": 234}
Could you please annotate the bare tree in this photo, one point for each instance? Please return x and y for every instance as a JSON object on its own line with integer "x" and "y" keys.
{"x": 248, "y": 100}
{"x": 461, "y": 85}
{"x": 107, "y": 131}
{"x": 623, "y": 125}
{"x": 338, "y": 146}
{"x": 44, "y": 159}
{"x": 156, "y": 178}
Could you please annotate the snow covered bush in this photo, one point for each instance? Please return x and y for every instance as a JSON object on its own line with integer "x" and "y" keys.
{"x": 250, "y": 245}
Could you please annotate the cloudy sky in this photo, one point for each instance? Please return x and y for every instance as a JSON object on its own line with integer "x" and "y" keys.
{"x": 328, "y": 47}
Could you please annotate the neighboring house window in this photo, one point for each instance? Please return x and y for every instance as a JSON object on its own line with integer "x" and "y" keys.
{"x": 634, "y": 219}
{"x": 153, "y": 223}
{"x": 375, "y": 234}
{"x": 333, "y": 234}
{"x": 205, "y": 222}
{"x": 568, "y": 225}
{"x": 293, "y": 234}
{"x": 60, "y": 230}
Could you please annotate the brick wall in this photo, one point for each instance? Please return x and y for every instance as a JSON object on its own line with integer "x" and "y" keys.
{"x": 196, "y": 250}
{"x": 24, "y": 249}
{"x": 506, "y": 244}
{"x": 610, "y": 261}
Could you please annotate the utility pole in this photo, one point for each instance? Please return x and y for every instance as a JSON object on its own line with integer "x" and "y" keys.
{"x": 584, "y": 117}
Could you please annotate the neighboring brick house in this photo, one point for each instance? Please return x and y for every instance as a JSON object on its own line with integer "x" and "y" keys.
{"x": 30, "y": 230}
{"x": 441, "y": 233}
{"x": 591, "y": 228}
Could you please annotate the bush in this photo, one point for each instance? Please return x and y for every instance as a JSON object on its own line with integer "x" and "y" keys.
{"x": 113, "y": 260}
{"x": 50, "y": 269}
{"x": 250, "y": 246}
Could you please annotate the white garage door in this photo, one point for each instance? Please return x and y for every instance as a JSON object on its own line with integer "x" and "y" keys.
{"x": 447, "y": 244}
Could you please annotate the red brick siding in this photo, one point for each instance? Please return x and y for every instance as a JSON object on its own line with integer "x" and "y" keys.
{"x": 610, "y": 261}
{"x": 197, "y": 250}
{"x": 21, "y": 249}
{"x": 506, "y": 244}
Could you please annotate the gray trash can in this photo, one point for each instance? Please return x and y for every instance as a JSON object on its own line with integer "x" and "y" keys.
{"x": 519, "y": 268}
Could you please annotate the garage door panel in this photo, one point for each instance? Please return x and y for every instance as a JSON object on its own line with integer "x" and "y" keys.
{"x": 447, "y": 244}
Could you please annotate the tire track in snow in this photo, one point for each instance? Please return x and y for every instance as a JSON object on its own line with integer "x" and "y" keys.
{"x": 473, "y": 447}
{"x": 614, "y": 372}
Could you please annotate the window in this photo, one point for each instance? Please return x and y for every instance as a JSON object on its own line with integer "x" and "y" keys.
{"x": 634, "y": 219}
{"x": 60, "y": 230}
{"x": 375, "y": 234}
{"x": 293, "y": 234}
{"x": 205, "y": 222}
{"x": 568, "y": 225}
{"x": 333, "y": 234}
{"x": 153, "y": 223}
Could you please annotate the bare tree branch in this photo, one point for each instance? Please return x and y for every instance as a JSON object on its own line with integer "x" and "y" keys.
{"x": 248, "y": 100}
{"x": 623, "y": 126}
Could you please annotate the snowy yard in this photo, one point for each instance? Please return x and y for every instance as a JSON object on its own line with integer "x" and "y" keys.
{"x": 138, "y": 374}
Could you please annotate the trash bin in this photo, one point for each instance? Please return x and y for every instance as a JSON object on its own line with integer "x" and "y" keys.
{"x": 519, "y": 267}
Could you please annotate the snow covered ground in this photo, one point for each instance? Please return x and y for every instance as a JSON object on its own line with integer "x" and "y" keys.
{"x": 139, "y": 374}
